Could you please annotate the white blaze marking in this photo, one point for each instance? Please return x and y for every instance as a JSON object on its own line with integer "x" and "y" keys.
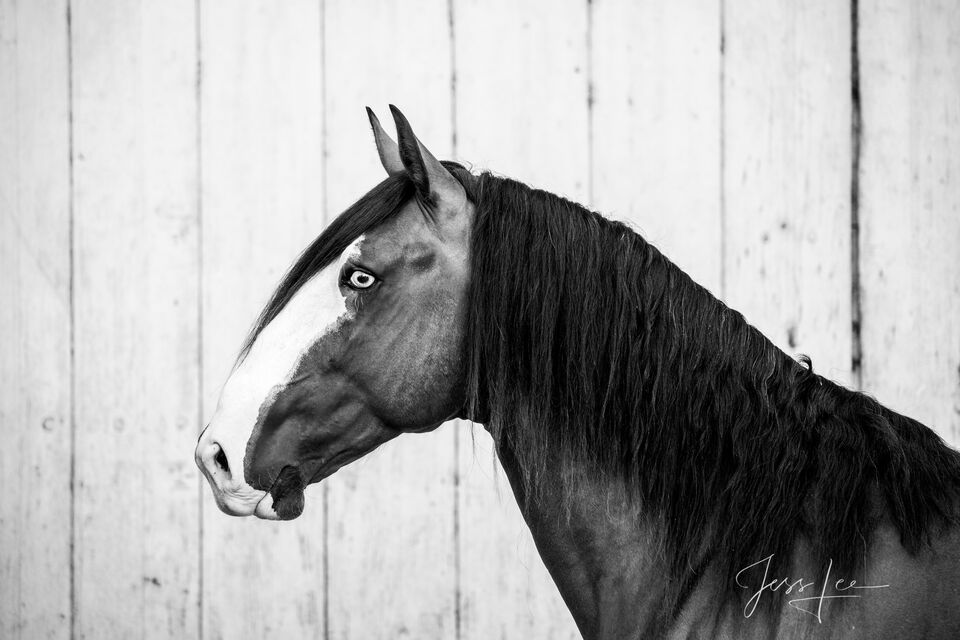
{"x": 312, "y": 313}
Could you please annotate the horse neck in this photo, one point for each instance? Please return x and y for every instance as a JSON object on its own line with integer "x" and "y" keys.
{"x": 599, "y": 550}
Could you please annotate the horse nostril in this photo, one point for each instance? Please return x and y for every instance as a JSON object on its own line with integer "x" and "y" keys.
{"x": 221, "y": 460}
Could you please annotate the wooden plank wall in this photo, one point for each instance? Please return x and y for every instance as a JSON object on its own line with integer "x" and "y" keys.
{"x": 36, "y": 397}
{"x": 135, "y": 335}
{"x": 161, "y": 163}
{"x": 910, "y": 208}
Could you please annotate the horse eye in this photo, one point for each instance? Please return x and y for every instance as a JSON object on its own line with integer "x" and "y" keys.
{"x": 361, "y": 280}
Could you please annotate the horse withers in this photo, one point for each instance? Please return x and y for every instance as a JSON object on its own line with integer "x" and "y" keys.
{"x": 681, "y": 476}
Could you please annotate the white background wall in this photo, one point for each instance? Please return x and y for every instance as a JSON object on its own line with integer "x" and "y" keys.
{"x": 161, "y": 163}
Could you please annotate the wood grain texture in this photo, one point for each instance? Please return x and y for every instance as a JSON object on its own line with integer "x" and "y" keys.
{"x": 656, "y": 126}
{"x": 262, "y": 202}
{"x": 35, "y": 396}
{"x": 391, "y": 544}
{"x": 910, "y": 209}
{"x": 521, "y": 92}
{"x": 136, "y": 332}
{"x": 787, "y": 166}
{"x": 521, "y": 110}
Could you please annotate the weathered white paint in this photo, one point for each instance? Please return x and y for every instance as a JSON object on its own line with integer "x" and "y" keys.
{"x": 192, "y": 193}
{"x": 910, "y": 214}
{"x": 136, "y": 334}
{"x": 35, "y": 275}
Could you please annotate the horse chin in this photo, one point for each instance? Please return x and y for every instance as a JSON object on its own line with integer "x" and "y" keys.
{"x": 288, "y": 507}
{"x": 285, "y": 499}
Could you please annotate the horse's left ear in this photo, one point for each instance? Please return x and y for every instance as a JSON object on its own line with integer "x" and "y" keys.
{"x": 386, "y": 147}
{"x": 434, "y": 183}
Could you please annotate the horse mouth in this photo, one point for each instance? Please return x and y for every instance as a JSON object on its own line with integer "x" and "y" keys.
{"x": 287, "y": 493}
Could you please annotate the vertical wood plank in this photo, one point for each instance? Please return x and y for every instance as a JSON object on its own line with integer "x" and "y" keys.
{"x": 35, "y": 402}
{"x": 787, "y": 167}
{"x": 261, "y": 201}
{"x": 522, "y": 91}
{"x": 656, "y": 126}
{"x": 531, "y": 56}
{"x": 910, "y": 208}
{"x": 391, "y": 544}
{"x": 136, "y": 265}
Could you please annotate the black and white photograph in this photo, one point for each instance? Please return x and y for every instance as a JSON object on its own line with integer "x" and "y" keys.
{"x": 480, "y": 319}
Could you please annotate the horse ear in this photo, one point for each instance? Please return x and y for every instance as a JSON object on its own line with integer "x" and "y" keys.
{"x": 386, "y": 147}
{"x": 433, "y": 181}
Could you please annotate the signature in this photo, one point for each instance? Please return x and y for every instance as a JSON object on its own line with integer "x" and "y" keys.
{"x": 812, "y": 605}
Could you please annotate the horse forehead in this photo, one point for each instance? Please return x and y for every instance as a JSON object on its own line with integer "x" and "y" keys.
{"x": 405, "y": 234}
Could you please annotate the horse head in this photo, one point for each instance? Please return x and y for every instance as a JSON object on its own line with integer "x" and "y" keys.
{"x": 362, "y": 341}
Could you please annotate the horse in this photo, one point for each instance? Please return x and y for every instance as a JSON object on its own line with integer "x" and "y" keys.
{"x": 681, "y": 476}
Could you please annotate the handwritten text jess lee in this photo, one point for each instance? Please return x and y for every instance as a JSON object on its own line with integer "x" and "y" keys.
{"x": 842, "y": 588}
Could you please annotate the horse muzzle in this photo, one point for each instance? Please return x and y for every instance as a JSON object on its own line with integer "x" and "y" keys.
{"x": 233, "y": 495}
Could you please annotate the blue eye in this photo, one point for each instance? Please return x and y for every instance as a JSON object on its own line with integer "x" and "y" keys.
{"x": 361, "y": 280}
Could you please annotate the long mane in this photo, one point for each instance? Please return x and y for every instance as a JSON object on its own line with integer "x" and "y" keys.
{"x": 589, "y": 349}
